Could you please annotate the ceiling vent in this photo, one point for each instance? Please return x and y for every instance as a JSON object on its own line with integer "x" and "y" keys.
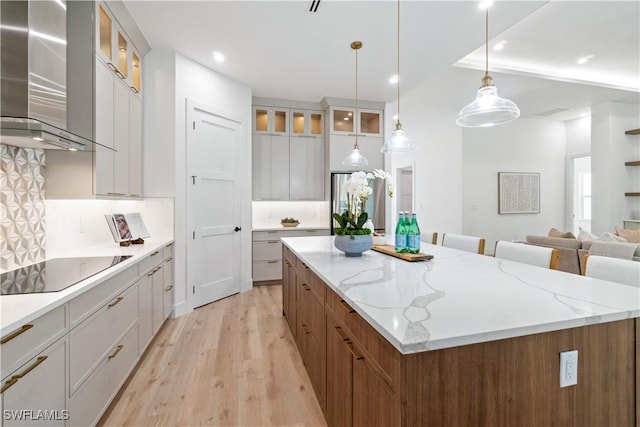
{"x": 551, "y": 112}
{"x": 313, "y": 8}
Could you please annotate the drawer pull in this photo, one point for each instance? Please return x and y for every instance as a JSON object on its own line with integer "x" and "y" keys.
{"x": 117, "y": 301}
{"x": 353, "y": 351}
{"x": 342, "y": 335}
{"x": 347, "y": 306}
{"x": 14, "y": 334}
{"x": 14, "y": 378}
{"x": 306, "y": 287}
{"x": 272, "y": 262}
{"x": 169, "y": 245}
{"x": 117, "y": 350}
{"x": 169, "y": 259}
{"x": 271, "y": 242}
{"x": 305, "y": 330}
{"x": 168, "y": 288}
{"x": 155, "y": 253}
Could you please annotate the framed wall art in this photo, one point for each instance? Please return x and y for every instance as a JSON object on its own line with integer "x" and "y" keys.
{"x": 518, "y": 193}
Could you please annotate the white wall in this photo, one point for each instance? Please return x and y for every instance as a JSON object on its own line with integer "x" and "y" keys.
{"x": 310, "y": 214}
{"x": 200, "y": 84}
{"x": 610, "y": 149}
{"x": 525, "y": 145}
{"x": 73, "y": 225}
{"x": 437, "y": 165}
{"x": 578, "y": 133}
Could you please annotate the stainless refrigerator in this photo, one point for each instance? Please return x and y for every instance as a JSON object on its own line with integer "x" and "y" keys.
{"x": 375, "y": 203}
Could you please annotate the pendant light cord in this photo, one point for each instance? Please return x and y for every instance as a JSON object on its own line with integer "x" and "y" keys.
{"x": 398, "y": 84}
{"x": 486, "y": 43}
{"x": 355, "y": 146}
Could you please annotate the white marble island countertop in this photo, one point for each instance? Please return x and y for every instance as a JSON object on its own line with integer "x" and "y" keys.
{"x": 460, "y": 298}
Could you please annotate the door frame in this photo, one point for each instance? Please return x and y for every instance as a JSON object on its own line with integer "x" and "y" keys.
{"x": 568, "y": 190}
{"x": 244, "y": 268}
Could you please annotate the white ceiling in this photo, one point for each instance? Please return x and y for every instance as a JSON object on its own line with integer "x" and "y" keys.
{"x": 281, "y": 50}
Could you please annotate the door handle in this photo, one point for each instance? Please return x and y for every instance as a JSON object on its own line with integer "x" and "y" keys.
{"x": 237, "y": 229}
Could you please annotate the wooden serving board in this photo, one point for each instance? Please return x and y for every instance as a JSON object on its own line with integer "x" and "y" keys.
{"x": 391, "y": 250}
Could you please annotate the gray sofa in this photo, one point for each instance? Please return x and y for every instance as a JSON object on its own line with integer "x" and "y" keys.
{"x": 572, "y": 251}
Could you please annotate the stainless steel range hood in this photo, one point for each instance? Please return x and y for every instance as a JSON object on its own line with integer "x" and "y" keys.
{"x": 34, "y": 74}
{"x": 31, "y": 133}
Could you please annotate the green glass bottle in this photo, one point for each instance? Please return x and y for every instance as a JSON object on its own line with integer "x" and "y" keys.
{"x": 401, "y": 235}
{"x": 413, "y": 240}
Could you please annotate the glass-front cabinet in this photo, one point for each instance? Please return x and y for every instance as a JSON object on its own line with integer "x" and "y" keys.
{"x": 115, "y": 49}
{"x": 306, "y": 123}
{"x": 271, "y": 120}
{"x": 345, "y": 121}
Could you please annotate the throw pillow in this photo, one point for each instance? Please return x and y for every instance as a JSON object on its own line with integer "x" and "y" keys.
{"x": 564, "y": 234}
{"x": 610, "y": 237}
{"x": 632, "y": 236}
{"x": 585, "y": 236}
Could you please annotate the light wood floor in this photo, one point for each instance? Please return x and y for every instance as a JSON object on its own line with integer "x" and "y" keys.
{"x": 230, "y": 363}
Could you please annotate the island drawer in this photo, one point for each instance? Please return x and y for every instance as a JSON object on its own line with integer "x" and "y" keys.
{"x": 90, "y": 341}
{"x": 29, "y": 339}
{"x": 288, "y": 255}
{"x": 267, "y": 250}
{"x": 83, "y": 305}
{"x": 268, "y": 235}
{"x": 302, "y": 270}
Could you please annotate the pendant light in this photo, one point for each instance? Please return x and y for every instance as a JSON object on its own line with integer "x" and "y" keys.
{"x": 398, "y": 142}
{"x": 355, "y": 158}
{"x": 488, "y": 109}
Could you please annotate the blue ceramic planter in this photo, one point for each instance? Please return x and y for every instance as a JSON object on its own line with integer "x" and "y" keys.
{"x": 353, "y": 247}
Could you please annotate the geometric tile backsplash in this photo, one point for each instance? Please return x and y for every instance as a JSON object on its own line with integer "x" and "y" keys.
{"x": 22, "y": 206}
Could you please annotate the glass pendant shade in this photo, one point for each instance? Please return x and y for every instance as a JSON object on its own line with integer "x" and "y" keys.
{"x": 398, "y": 143}
{"x": 355, "y": 158}
{"x": 488, "y": 109}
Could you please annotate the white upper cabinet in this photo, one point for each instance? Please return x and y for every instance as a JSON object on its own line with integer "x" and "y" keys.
{"x": 345, "y": 121}
{"x": 270, "y": 120}
{"x": 116, "y": 50}
{"x": 306, "y": 123}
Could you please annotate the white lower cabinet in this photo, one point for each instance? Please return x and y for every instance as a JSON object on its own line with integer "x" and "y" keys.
{"x": 267, "y": 251}
{"x": 88, "y": 404}
{"x": 65, "y": 367}
{"x": 34, "y": 395}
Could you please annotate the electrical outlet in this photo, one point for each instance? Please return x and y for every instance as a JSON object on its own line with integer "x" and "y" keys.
{"x": 568, "y": 368}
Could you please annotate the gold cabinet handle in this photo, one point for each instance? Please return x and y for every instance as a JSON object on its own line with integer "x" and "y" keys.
{"x": 168, "y": 288}
{"x": 169, "y": 259}
{"x": 346, "y": 306}
{"x": 272, "y": 262}
{"x": 342, "y": 335}
{"x": 14, "y": 378}
{"x": 116, "y": 302}
{"x": 271, "y": 242}
{"x": 113, "y": 67}
{"x": 169, "y": 245}
{"x": 306, "y": 287}
{"x": 116, "y": 351}
{"x": 305, "y": 330}
{"x": 14, "y": 334}
{"x": 155, "y": 253}
{"x": 135, "y": 89}
{"x": 353, "y": 351}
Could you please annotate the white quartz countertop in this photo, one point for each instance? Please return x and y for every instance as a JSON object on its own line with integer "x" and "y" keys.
{"x": 16, "y": 310}
{"x": 460, "y": 298}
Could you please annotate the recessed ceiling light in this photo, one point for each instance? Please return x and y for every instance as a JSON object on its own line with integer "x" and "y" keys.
{"x": 485, "y": 4}
{"x": 393, "y": 79}
{"x": 218, "y": 57}
{"x": 499, "y": 45}
{"x": 584, "y": 59}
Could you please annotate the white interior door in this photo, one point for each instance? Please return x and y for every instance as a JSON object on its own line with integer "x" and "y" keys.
{"x": 213, "y": 252}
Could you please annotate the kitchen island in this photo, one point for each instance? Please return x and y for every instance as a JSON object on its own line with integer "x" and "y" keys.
{"x": 463, "y": 339}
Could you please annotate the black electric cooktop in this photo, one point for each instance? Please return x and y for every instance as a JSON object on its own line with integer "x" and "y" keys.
{"x": 55, "y": 274}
